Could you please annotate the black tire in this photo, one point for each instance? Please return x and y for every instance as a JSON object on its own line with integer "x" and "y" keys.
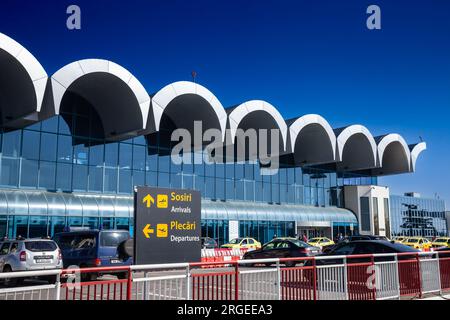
{"x": 87, "y": 276}
{"x": 125, "y": 249}
{"x": 10, "y": 282}
{"x": 122, "y": 275}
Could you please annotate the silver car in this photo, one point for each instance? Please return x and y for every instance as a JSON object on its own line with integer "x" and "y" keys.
{"x": 29, "y": 255}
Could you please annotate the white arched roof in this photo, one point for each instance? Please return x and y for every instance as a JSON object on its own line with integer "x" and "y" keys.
{"x": 246, "y": 108}
{"x": 34, "y": 69}
{"x": 416, "y": 150}
{"x": 347, "y": 133}
{"x": 164, "y": 96}
{"x": 64, "y": 77}
{"x": 386, "y": 141}
{"x": 312, "y": 119}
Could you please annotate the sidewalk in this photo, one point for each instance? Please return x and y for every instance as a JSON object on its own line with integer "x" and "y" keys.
{"x": 444, "y": 297}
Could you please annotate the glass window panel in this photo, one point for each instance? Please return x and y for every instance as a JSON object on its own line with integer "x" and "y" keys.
{"x": 164, "y": 163}
{"x": 138, "y": 178}
{"x": 175, "y": 180}
{"x": 29, "y": 173}
{"x": 152, "y": 159}
{"x": 209, "y": 188}
{"x": 139, "y": 157}
{"x": 50, "y": 125}
{"x": 64, "y": 176}
{"x": 95, "y": 179}
{"x": 9, "y": 175}
{"x": 47, "y": 172}
{"x": 96, "y": 155}
{"x": 65, "y": 148}
{"x": 188, "y": 181}
{"x": 229, "y": 185}
{"x": 125, "y": 181}
{"x": 80, "y": 177}
{"x": 30, "y": 145}
{"x": 110, "y": 180}
{"x": 163, "y": 180}
{"x": 11, "y": 143}
{"x": 220, "y": 188}
{"x": 48, "y": 147}
{"x": 80, "y": 154}
{"x": 111, "y": 154}
{"x": 151, "y": 178}
{"x": 63, "y": 128}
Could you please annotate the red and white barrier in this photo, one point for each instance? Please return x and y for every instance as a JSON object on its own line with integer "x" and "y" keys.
{"x": 222, "y": 254}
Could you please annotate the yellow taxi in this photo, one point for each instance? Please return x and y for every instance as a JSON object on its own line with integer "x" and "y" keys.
{"x": 417, "y": 243}
{"x": 242, "y": 243}
{"x": 441, "y": 242}
{"x": 320, "y": 242}
{"x": 399, "y": 239}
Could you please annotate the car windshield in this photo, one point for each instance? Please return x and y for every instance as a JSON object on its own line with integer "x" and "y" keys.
{"x": 40, "y": 246}
{"x": 236, "y": 240}
{"x": 315, "y": 239}
{"x": 112, "y": 239}
{"x": 300, "y": 243}
{"x": 411, "y": 240}
{"x": 440, "y": 240}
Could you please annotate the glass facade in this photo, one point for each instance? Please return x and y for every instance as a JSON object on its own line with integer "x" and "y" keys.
{"x": 412, "y": 216}
{"x": 51, "y": 156}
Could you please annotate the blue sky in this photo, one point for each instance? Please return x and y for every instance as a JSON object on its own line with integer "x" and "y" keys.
{"x": 301, "y": 56}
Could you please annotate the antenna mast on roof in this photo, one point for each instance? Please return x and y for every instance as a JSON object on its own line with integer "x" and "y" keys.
{"x": 194, "y": 76}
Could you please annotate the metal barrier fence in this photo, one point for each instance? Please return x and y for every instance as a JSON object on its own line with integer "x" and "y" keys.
{"x": 356, "y": 277}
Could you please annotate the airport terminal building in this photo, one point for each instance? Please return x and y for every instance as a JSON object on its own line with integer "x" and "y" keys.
{"x": 74, "y": 145}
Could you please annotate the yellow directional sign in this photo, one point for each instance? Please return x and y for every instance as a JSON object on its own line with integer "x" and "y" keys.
{"x": 149, "y": 199}
{"x": 147, "y": 231}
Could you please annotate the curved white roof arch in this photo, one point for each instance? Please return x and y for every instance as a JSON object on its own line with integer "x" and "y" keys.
{"x": 241, "y": 111}
{"x": 167, "y": 94}
{"x": 64, "y": 77}
{"x": 388, "y": 140}
{"x": 310, "y": 120}
{"x": 109, "y": 87}
{"x": 416, "y": 150}
{"x": 345, "y": 135}
{"x": 30, "y": 64}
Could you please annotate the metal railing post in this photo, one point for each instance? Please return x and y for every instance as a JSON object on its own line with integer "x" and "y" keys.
{"x": 314, "y": 279}
{"x": 397, "y": 276}
{"x": 58, "y": 286}
{"x": 188, "y": 283}
{"x": 439, "y": 272}
{"x": 345, "y": 279}
{"x": 419, "y": 274}
{"x": 129, "y": 283}
{"x": 236, "y": 281}
{"x": 278, "y": 279}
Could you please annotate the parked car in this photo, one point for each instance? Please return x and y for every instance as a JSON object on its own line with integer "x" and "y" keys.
{"x": 95, "y": 248}
{"x": 283, "y": 248}
{"x": 417, "y": 243}
{"x": 361, "y": 247}
{"x": 353, "y": 238}
{"x": 29, "y": 255}
{"x": 441, "y": 242}
{"x": 320, "y": 242}
{"x": 208, "y": 243}
{"x": 242, "y": 243}
{"x": 399, "y": 239}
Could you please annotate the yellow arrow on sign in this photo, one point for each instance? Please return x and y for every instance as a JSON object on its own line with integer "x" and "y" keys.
{"x": 147, "y": 231}
{"x": 149, "y": 199}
